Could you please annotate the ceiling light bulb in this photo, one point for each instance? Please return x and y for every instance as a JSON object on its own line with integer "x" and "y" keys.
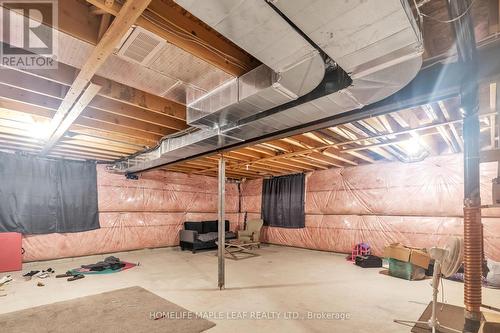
{"x": 39, "y": 130}
{"x": 414, "y": 146}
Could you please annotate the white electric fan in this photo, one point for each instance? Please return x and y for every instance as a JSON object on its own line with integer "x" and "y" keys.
{"x": 447, "y": 261}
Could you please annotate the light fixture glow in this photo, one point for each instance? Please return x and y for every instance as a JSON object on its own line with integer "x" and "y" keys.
{"x": 414, "y": 146}
{"x": 415, "y": 149}
{"x": 39, "y": 130}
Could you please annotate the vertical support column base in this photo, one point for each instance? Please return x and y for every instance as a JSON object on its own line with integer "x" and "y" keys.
{"x": 221, "y": 239}
{"x": 471, "y": 325}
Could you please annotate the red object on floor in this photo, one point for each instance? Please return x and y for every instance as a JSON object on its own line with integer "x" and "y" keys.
{"x": 11, "y": 258}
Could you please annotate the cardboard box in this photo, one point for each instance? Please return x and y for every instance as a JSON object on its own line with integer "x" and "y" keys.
{"x": 416, "y": 256}
{"x": 397, "y": 251}
{"x": 420, "y": 258}
{"x": 491, "y": 323}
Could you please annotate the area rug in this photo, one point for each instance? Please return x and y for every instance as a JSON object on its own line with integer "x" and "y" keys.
{"x": 124, "y": 310}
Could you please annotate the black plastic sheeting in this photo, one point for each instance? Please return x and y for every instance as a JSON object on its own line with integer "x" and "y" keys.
{"x": 41, "y": 196}
{"x": 283, "y": 201}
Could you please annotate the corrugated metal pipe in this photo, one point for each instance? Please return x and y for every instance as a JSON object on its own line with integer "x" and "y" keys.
{"x": 459, "y": 11}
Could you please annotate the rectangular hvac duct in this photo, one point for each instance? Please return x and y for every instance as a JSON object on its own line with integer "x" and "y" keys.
{"x": 253, "y": 92}
{"x": 176, "y": 148}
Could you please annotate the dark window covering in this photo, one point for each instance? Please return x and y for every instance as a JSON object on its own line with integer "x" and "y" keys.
{"x": 41, "y": 196}
{"x": 283, "y": 201}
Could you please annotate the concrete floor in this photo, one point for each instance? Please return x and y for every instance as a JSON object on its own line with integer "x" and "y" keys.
{"x": 282, "y": 281}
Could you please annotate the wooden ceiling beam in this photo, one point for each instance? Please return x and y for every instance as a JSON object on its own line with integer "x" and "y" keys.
{"x": 86, "y": 149}
{"x": 411, "y": 119}
{"x": 24, "y": 122}
{"x": 104, "y": 143}
{"x": 140, "y": 99}
{"x": 35, "y": 147}
{"x": 244, "y": 173}
{"x": 493, "y": 103}
{"x": 127, "y": 16}
{"x": 32, "y": 106}
{"x": 263, "y": 166}
{"x": 362, "y": 156}
{"x": 88, "y": 152}
{"x": 284, "y": 161}
{"x": 133, "y": 112}
{"x": 255, "y": 159}
{"x": 96, "y": 145}
{"x": 76, "y": 20}
{"x": 201, "y": 41}
{"x": 290, "y": 162}
{"x": 383, "y": 144}
{"x": 262, "y": 149}
{"x": 278, "y": 163}
{"x": 386, "y": 123}
{"x": 442, "y": 130}
{"x": 18, "y": 133}
{"x": 112, "y": 90}
{"x": 351, "y": 132}
{"x": 493, "y": 16}
{"x": 331, "y": 137}
{"x": 375, "y": 124}
{"x": 280, "y": 145}
{"x": 332, "y": 152}
{"x": 83, "y": 124}
{"x": 61, "y": 127}
{"x": 250, "y": 163}
{"x": 312, "y": 163}
{"x": 319, "y": 157}
{"x": 447, "y": 117}
{"x": 16, "y": 94}
{"x": 399, "y": 119}
{"x": 100, "y": 108}
{"x": 112, "y": 135}
{"x": 103, "y": 25}
{"x": 369, "y": 131}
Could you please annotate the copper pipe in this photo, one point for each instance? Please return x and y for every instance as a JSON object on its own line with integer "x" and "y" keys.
{"x": 465, "y": 41}
{"x": 473, "y": 258}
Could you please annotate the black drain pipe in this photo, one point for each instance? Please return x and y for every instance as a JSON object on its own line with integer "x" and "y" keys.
{"x": 459, "y": 11}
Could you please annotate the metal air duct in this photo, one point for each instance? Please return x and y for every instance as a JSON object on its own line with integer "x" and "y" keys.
{"x": 375, "y": 46}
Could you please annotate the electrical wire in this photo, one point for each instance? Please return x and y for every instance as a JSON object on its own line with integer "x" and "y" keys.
{"x": 445, "y": 21}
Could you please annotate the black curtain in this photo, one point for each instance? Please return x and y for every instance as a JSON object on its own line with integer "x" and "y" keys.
{"x": 41, "y": 196}
{"x": 283, "y": 201}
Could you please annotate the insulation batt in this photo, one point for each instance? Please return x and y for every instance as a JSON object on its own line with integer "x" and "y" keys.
{"x": 138, "y": 214}
{"x": 418, "y": 204}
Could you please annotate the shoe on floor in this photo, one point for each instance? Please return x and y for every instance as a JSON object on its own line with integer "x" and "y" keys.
{"x": 5, "y": 279}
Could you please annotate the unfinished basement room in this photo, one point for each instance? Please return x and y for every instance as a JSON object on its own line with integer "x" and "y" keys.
{"x": 241, "y": 166}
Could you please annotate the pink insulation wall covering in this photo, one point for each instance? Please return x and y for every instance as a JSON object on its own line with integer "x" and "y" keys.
{"x": 137, "y": 214}
{"x": 418, "y": 204}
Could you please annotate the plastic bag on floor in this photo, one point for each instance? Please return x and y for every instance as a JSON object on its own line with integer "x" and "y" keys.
{"x": 493, "y": 277}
